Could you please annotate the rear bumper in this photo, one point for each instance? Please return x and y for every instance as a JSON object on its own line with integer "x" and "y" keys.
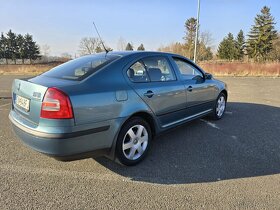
{"x": 69, "y": 146}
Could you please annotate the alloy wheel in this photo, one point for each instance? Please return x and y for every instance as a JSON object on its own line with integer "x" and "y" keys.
{"x": 135, "y": 142}
{"x": 221, "y": 105}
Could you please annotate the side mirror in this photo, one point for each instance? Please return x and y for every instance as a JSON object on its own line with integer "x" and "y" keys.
{"x": 208, "y": 76}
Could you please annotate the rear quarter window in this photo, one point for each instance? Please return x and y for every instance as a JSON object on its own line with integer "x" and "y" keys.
{"x": 137, "y": 73}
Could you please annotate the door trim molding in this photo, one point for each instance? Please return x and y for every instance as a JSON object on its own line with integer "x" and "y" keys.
{"x": 187, "y": 118}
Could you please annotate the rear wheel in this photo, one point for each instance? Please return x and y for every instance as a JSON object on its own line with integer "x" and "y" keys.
{"x": 220, "y": 107}
{"x": 133, "y": 141}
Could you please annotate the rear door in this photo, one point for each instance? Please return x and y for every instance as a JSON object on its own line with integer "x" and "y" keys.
{"x": 155, "y": 82}
{"x": 200, "y": 92}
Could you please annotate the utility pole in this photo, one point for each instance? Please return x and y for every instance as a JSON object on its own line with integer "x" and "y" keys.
{"x": 196, "y": 33}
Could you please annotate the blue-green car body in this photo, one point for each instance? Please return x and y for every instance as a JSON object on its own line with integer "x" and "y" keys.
{"x": 104, "y": 100}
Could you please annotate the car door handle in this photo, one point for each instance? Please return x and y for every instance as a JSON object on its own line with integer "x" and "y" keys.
{"x": 189, "y": 88}
{"x": 149, "y": 94}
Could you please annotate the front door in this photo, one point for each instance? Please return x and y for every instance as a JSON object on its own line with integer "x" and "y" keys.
{"x": 200, "y": 92}
{"x": 154, "y": 81}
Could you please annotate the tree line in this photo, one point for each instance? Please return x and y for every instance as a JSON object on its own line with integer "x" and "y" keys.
{"x": 262, "y": 44}
{"x": 204, "y": 51}
{"x": 130, "y": 47}
{"x": 17, "y": 46}
{"x": 91, "y": 45}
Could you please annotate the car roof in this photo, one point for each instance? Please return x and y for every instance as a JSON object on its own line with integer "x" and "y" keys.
{"x": 126, "y": 53}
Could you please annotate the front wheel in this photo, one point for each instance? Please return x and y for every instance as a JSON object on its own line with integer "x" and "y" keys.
{"x": 133, "y": 141}
{"x": 220, "y": 107}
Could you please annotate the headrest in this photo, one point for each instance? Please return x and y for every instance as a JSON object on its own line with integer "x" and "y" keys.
{"x": 155, "y": 74}
{"x": 130, "y": 73}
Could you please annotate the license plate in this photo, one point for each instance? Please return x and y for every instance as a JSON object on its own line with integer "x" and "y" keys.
{"x": 22, "y": 102}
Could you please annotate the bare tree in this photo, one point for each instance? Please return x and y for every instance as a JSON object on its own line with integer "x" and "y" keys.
{"x": 88, "y": 45}
{"x": 176, "y": 47}
{"x": 206, "y": 38}
{"x": 45, "y": 49}
{"x": 66, "y": 55}
{"x": 204, "y": 47}
{"x": 121, "y": 44}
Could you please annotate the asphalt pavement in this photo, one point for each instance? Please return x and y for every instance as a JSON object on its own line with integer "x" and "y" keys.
{"x": 233, "y": 163}
{"x": 6, "y": 84}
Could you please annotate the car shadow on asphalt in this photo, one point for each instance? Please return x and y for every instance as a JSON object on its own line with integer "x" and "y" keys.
{"x": 245, "y": 143}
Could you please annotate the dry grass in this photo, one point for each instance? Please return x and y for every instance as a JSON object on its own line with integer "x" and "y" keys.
{"x": 243, "y": 69}
{"x": 25, "y": 69}
{"x": 217, "y": 69}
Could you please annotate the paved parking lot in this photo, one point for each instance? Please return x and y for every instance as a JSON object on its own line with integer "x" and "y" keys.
{"x": 231, "y": 163}
{"x": 6, "y": 84}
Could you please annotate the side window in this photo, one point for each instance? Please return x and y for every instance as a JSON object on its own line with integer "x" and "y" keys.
{"x": 159, "y": 69}
{"x": 137, "y": 73}
{"x": 187, "y": 70}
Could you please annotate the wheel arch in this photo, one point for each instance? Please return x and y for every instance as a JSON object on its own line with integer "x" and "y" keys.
{"x": 148, "y": 117}
{"x": 224, "y": 91}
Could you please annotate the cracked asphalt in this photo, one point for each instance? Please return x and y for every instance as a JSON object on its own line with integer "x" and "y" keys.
{"x": 233, "y": 163}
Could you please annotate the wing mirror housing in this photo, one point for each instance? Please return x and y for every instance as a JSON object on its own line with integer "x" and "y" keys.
{"x": 208, "y": 76}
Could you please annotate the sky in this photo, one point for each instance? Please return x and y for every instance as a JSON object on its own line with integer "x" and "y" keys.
{"x": 61, "y": 24}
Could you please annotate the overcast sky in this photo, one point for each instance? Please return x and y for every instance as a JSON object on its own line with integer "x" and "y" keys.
{"x": 61, "y": 24}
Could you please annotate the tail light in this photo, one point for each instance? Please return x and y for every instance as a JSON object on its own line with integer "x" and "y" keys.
{"x": 56, "y": 105}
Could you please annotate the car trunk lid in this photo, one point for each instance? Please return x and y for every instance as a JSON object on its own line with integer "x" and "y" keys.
{"x": 28, "y": 95}
{"x": 27, "y": 99}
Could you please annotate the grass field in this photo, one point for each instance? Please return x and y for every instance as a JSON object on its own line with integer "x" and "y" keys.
{"x": 217, "y": 69}
{"x": 22, "y": 69}
{"x": 242, "y": 69}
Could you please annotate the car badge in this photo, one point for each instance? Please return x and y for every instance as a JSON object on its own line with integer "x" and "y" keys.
{"x": 37, "y": 95}
{"x": 18, "y": 87}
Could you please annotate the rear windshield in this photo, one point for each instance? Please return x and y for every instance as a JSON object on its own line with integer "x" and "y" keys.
{"x": 81, "y": 68}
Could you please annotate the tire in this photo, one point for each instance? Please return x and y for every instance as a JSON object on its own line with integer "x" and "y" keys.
{"x": 219, "y": 107}
{"x": 133, "y": 141}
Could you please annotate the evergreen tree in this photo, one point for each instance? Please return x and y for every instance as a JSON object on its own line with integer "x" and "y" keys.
{"x": 227, "y": 48}
{"x": 3, "y": 46}
{"x": 21, "y": 53}
{"x": 129, "y": 46}
{"x": 32, "y": 49}
{"x": 141, "y": 47}
{"x": 240, "y": 45}
{"x": 12, "y": 47}
{"x": 261, "y": 36}
{"x": 190, "y": 26}
{"x": 275, "y": 53}
{"x": 203, "y": 51}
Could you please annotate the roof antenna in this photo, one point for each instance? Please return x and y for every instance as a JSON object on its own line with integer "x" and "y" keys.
{"x": 100, "y": 38}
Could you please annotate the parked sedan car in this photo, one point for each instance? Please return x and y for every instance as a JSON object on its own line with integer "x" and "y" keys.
{"x": 112, "y": 104}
